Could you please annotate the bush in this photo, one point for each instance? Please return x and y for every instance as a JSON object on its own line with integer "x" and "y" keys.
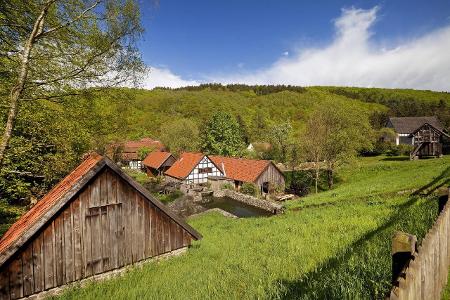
{"x": 398, "y": 150}
{"x": 249, "y": 189}
{"x": 227, "y": 186}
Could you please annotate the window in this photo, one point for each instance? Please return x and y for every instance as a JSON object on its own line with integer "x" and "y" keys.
{"x": 135, "y": 164}
{"x": 204, "y": 170}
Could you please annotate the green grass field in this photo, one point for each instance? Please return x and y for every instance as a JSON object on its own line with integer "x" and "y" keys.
{"x": 335, "y": 244}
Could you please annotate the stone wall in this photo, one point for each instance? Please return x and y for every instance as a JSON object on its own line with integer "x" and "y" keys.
{"x": 218, "y": 183}
{"x": 273, "y": 207}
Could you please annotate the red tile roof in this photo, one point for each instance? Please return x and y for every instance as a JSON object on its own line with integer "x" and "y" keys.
{"x": 184, "y": 165}
{"x": 246, "y": 170}
{"x": 130, "y": 148}
{"x": 38, "y": 210}
{"x": 156, "y": 159}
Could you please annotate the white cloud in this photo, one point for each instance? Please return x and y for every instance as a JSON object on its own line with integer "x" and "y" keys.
{"x": 163, "y": 77}
{"x": 352, "y": 59}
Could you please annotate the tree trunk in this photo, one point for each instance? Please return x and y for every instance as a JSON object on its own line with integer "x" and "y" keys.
{"x": 9, "y": 124}
{"x": 317, "y": 179}
{"x": 18, "y": 89}
{"x": 330, "y": 178}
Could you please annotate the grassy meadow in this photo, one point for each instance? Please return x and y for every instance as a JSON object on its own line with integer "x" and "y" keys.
{"x": 335, "y": 244}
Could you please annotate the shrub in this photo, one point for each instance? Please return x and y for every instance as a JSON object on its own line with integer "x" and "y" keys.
{"x": 401, "y": 149}
{"x": 249, "y": 189}
{"x": 227, "y": 186}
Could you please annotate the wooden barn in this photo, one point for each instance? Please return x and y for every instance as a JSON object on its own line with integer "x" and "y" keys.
{"x": 95, "y": 220}
{"x": 263, "y": 173}
{"x": 405, "y": 126}
{"x": 427, "y": 141}
{"x": 157, "y": 162}
{"x": 425, "y": 134}
{"x": 193, "y": 168}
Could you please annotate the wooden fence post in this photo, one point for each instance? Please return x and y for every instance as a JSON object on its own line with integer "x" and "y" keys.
{"x": 403, "y": 248}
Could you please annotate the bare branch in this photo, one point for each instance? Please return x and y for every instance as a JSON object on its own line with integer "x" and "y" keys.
{"x": 68, "y": 23}
{"x": 77, "y": 71}
{"x": 26, "y": 174}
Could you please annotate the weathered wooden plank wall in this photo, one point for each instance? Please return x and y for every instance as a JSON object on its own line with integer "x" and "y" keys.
{"x": 426, "y": 275}
{"x": 107, "y": 226}
{"x": 271, "y": 175}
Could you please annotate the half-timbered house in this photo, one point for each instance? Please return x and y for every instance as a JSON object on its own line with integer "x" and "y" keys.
{"x": 192, "y": 168}
{"x": 95, "y": 220}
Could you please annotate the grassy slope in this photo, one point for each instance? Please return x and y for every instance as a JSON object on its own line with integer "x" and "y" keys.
{"x": 334, "y": 244}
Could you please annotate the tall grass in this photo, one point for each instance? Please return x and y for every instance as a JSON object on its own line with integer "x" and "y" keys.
{"x": 335, "y": 244}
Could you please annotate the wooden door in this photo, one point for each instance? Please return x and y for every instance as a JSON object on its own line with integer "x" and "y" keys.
{"x": 105, "y": 228}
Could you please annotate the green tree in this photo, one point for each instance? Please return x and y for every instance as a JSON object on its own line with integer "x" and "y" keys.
{"x": 244, "y": 129}
{"x": 47, "y": 142}
{"x": 280, "y": 135}
{"x": 313, "y": 146}
{"x": 221, "y": 135}
{"x": 52, "y": 49}
{"x": 144, "y": 151}
{"x": 180, "y": 136}
{"x": 336, "y": 133}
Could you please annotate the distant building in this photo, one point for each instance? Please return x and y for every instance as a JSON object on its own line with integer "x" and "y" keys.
{"x": 157, "y": 162}
{"x": 263, "y": 173}
{"x": 405, "y": 126}
{"x": 259, "y": 147}
{"x": 127, "y": 152}
{"x": 192, "y": 168}
{"x": 425, "y": 134}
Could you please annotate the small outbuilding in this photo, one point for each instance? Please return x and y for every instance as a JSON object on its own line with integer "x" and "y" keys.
{"x": 157, "y": 162}
{"x": 263, "y": 173}
{"x": 428, "y": 141}
{"x": 95, "y": 220}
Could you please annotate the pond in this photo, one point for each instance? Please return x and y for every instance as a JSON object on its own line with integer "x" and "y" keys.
{"x": 236, "y": 208}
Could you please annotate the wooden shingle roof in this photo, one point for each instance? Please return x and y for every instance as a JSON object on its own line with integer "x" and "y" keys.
{"x": 410, "y": 124}
{"x": 24, "y": 228}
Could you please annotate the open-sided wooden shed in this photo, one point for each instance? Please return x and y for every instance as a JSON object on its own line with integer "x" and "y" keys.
{"x": 95, "y": 220}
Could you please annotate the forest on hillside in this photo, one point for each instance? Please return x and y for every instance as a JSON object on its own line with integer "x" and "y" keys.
{"x": 50, "y": 137}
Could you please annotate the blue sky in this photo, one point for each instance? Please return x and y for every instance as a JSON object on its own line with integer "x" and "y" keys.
{"x": 189, "y": 42}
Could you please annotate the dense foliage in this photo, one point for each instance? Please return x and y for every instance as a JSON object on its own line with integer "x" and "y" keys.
{"x": 222, "y": 135}
{"x": 180, "y": 135}
{"x": 176, "y": 117}
{"x": 401, "y": 103}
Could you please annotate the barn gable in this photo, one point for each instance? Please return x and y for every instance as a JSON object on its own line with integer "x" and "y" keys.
{"x": 99, "y": 223}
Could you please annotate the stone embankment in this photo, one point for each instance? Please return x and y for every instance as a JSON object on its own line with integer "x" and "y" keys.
{"x": 273, "y": 207}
